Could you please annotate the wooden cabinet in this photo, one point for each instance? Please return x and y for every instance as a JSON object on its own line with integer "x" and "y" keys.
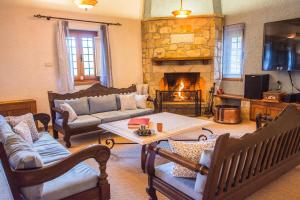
{"x": 18, "y": 107}
{"x": 266, "y": 108}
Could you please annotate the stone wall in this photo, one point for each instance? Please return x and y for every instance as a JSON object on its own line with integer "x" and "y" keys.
{"x": 181, "y": 38}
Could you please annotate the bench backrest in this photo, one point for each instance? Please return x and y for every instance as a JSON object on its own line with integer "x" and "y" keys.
{"x": 95, "y": 90}
{"x": 241, "y": 166}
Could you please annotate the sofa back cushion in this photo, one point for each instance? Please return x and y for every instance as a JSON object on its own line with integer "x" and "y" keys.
{"x": 102, "y": 103}
{"x": 5, "y": 129}
{"x": 80, "y": 105}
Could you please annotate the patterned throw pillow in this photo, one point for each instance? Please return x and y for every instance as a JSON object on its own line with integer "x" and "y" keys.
{"x": 23, "y": 130}
{"x": 72, "y": 114}
{"x": 127, "y": 102}
{"x": 28, "y": 119}
{"x": 191, "y": 151}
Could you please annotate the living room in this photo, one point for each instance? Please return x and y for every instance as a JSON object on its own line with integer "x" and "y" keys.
{"x": 139, "y": 84}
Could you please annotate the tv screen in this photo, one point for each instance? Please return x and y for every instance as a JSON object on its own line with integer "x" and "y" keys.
{"x": 282, "y": 45}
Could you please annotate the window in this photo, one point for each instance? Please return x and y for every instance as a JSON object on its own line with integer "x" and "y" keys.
{"x": 233, "y": 45}
{"x": 82, "y": 56}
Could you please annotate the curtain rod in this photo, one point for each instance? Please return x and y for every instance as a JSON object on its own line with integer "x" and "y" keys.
{"x": 78, "y": 20}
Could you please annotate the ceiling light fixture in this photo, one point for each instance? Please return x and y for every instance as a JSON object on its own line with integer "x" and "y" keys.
{"x": 181, "y": 13}
{"x": 86, "y": 4}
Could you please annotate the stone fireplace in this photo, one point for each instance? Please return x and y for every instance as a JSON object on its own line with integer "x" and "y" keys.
{"x": 182, "y": 55}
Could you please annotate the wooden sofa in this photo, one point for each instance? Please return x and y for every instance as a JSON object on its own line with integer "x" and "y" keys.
{"x": 64, "y": 127}
{"x": 238, "y": 166}
{"x": 57, "y": 169}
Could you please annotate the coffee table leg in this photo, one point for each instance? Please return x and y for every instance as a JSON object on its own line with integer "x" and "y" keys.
{"x": 143, "y": 157}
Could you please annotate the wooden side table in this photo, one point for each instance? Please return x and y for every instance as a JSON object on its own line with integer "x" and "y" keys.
{"x": 17, "y": 107}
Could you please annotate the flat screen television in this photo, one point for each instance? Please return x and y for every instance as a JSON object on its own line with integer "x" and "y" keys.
{"x": 282, "y": 45}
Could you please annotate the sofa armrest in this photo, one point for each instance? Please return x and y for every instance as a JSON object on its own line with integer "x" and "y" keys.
{"x": 32, "y": 177}
{"x": 153, "y": 151}
{"x": 64, "y": 114}
{"x": 43, "y": 118}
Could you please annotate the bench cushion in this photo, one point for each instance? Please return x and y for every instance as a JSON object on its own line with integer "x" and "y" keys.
{"x": 49, "y": 149}
{"x": 185, "y": 185}
{"x": 138, "y": 112}
{"x": 102, "y": 103}
{"x": 111, "y": 116}
{"x": 82, "y": 121}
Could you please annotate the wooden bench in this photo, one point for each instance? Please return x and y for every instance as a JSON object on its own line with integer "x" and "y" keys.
{"x": 239, "y": 167}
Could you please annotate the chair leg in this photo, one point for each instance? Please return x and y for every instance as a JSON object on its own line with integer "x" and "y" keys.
{"x": 152, "y": 193}
{"x": 67, "y": 140}
{"x": 150, "y": 190}
{"x": 55, "y": 134}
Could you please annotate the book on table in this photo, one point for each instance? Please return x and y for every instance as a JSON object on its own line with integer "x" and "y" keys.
{"x": 135, "y": 123}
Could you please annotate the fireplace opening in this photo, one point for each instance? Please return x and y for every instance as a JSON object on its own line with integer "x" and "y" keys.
{"x": 180, "y": 93}
{"x": 180, "y": 85}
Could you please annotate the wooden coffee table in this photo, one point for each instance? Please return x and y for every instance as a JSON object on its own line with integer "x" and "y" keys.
{"x": 173, "y": 125}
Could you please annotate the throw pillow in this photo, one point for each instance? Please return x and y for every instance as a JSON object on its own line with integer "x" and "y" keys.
{"x": 72, "y": 114}
{"x": 205, "y": 159}
{"x": 102, "y": 103}
{"x": 127, "y": 102}
{"x": 142, "y": 89}
{"x": 191, "y": 151}
{"x": 28, "y": 119}
{"x": 23, "y": 130}
{"x": 141, "y": 101}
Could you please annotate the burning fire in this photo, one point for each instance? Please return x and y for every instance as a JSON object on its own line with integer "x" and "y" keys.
{"x": 181, "y": 86}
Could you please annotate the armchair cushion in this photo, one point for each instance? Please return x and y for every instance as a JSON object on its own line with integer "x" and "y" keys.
{"x": 80, "y": 178}
{"x": 81, "y": 121}
{"x": 185, "y": 185}
{"x": 80, "y": 105}
{"x": 106, "y": 117}
{"x": 49, "y": 149}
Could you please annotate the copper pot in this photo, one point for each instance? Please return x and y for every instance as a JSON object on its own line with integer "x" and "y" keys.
{"x": 227, "y": 114}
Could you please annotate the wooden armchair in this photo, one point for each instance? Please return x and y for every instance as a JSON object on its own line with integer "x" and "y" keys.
{"x": 23, "y": 178}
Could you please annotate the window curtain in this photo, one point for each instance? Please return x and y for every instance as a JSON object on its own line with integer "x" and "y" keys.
{"x": 231, "y": 54}
{"x": 66, "y": 76}
{"x": 105, "y": 71}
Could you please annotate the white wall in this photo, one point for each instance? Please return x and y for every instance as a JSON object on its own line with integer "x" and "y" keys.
{"x": 27, "y": 44}
{"x": 254, "y": 21}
